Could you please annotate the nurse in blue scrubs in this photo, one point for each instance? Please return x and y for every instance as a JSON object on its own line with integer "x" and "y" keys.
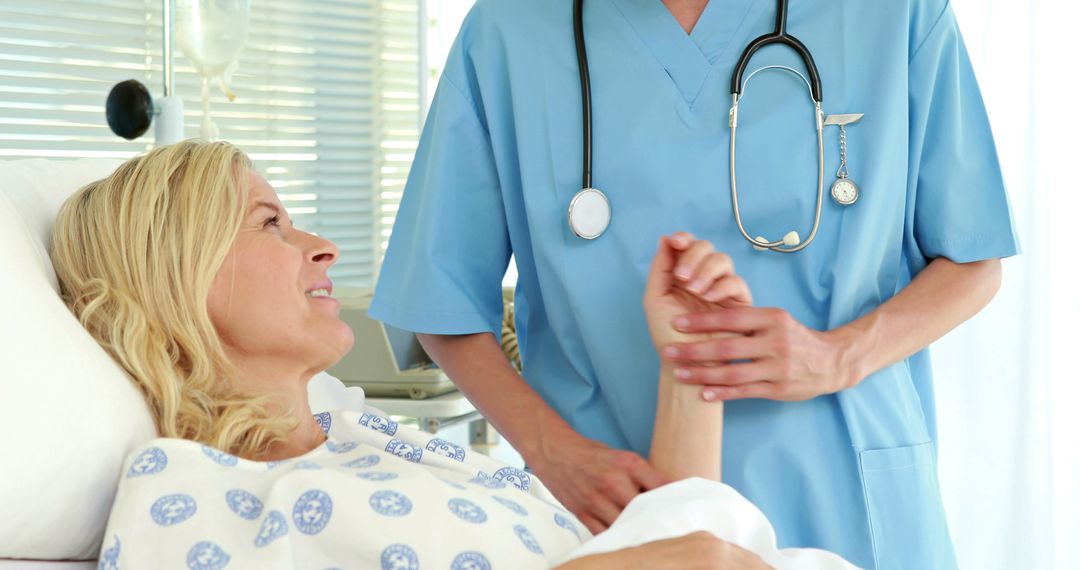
{"x": 830, "y": 417}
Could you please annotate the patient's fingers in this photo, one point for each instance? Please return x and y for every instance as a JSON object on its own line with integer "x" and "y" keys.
{"x": 713, "y": 266}
{"x": 730, "y": 289}
{"x": 659, "y": 279}
{"x": 688, "y": 261}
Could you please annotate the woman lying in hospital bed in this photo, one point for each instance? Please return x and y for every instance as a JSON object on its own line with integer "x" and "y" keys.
{"x": 184, "y": 265}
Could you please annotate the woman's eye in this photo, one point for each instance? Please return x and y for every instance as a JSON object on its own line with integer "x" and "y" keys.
{"x": 274, "y": 221}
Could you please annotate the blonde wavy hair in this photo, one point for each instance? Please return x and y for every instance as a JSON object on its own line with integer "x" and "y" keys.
{"x": 136, "y": 254}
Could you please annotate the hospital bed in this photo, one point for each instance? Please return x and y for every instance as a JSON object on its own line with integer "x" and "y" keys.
{"x": 68, "y": 414}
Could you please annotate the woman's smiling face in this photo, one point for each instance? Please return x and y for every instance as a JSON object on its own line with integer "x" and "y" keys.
{"x": 270, "y": 301}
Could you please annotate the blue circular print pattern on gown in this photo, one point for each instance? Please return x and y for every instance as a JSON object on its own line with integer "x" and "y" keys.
{"x": 446, "y": 449}
{"x": 565, "y": 523}
{"x": 312, "y": 511}
{"x": 151, "y": 461}
{"x": 515, "y": 477}
{"x": 110, "y": 557}
{"x": 323, "y": 419}
{"x": 244, "y": 504}
{"x": 527, "y": 539}
{"x": 487, "y": 481}
{"x": 336, "y": 447}
{"x": 390, "y": 503}
{"x": 172, "y": 509}
{"x": 379, "y": 423}
{"x": 307, "y": 465}
{"x": 399, "y": 557}
{"x": 219, "y": 457}
{"x": 470, "y": 560}
{"x": 467, "y": 511}
{"x": 512, "y": 506}
{"x": 362, "y": 462}
{"x": 274, "y": 526}
{"x": 377, "y": 475}
{"x": 206, "y": 555}
{"x": 404, "y": 450}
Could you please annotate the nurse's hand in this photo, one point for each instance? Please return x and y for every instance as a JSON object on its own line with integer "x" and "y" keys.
{"x": 593, "y": 481}
{"x": 775, "y": 357}
{"x": 688, "y": 275}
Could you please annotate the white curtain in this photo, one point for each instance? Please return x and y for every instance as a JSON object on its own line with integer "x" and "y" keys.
{"x": 1007, "y": 381}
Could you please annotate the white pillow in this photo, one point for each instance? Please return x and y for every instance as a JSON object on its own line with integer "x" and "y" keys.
{"x": 68, "y": 413}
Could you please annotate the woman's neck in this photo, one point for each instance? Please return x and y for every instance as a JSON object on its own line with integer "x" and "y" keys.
{"x": 287, "y": 389}
{"x": 686, "y": 12}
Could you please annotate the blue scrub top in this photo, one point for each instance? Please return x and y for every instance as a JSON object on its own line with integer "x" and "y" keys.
{"x": 500, "y": 159}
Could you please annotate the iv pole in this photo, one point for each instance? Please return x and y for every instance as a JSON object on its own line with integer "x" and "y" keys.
{"x": 130, "y": 109}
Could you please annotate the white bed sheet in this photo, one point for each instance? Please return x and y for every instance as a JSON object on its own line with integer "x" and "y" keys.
{"x": 7, "y": 564}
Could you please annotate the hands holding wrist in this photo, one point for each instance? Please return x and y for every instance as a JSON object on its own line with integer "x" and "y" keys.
{"x": 705, "y": 329}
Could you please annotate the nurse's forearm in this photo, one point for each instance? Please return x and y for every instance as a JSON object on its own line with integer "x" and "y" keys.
{"x": 688, "y": 431}
{"x": 939, "y": 299}
{"x": 478, "y": 366}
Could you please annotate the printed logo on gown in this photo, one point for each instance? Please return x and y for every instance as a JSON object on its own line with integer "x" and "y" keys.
{"x": 565, "y": 523}
{"x": 244, "y": 504}
{"x": 361, "y": 462}
{"x": 467, "y": 511}
{"x": 274, "y": 526}
{"x": 399, "y": 557}
{"x": 528, "y": 539}
{"x": 219, "y": 457}
{"x": 323, "y": 419}
{"x": 405, "y": 450}
{"x": 336, "y": 447}
{"x": 487, "y": 481}
{"x": 390, "y": 503}
{"x": 379, "y": 423}
{"x": 512, "y": 506}
{"x": 206, "y": 555}
{"x": 446, "y": 449}
{"x": 470, "y": 561}
{"x": 111, "y": 556}
{"x": 172, "y": 509}
{"x": 377, "y": 475}
{"x": 515, "y": 477}
{"x": 312, "y": 511}
{"x": 151, "y": 461}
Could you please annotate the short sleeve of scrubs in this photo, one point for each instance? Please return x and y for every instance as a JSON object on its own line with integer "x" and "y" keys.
{"x": 961, "y": 210}
{"x": 450, "y": 248}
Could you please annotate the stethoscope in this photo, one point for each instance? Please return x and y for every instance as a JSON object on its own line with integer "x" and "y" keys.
{"x": 589, "y": 213}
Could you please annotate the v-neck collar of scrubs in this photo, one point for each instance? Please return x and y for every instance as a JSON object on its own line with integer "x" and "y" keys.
{"x": 687, "y": 58}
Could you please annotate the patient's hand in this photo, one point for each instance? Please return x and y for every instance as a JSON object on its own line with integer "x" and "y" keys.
{"x": 689, "y": 276}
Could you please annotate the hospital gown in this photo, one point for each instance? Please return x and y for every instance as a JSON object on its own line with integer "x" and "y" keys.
{"x": 381, "y": 495}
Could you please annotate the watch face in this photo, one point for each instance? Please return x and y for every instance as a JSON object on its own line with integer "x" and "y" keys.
{"x": 845, "y": 192}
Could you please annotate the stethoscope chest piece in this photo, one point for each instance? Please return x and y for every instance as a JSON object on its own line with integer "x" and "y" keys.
{"x": 589, "y": 213}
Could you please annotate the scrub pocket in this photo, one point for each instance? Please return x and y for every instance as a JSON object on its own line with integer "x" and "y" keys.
{"x": 907, "y": 519}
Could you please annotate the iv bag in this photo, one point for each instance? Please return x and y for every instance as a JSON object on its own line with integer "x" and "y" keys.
{"x": 212, "y": 33}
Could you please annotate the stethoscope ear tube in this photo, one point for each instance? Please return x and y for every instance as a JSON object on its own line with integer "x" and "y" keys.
{"x": 586, "y": 95}
{"x": 779, "y": 36}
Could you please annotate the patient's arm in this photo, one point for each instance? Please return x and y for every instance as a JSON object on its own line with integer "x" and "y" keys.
{"x": 688, "y": 432}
